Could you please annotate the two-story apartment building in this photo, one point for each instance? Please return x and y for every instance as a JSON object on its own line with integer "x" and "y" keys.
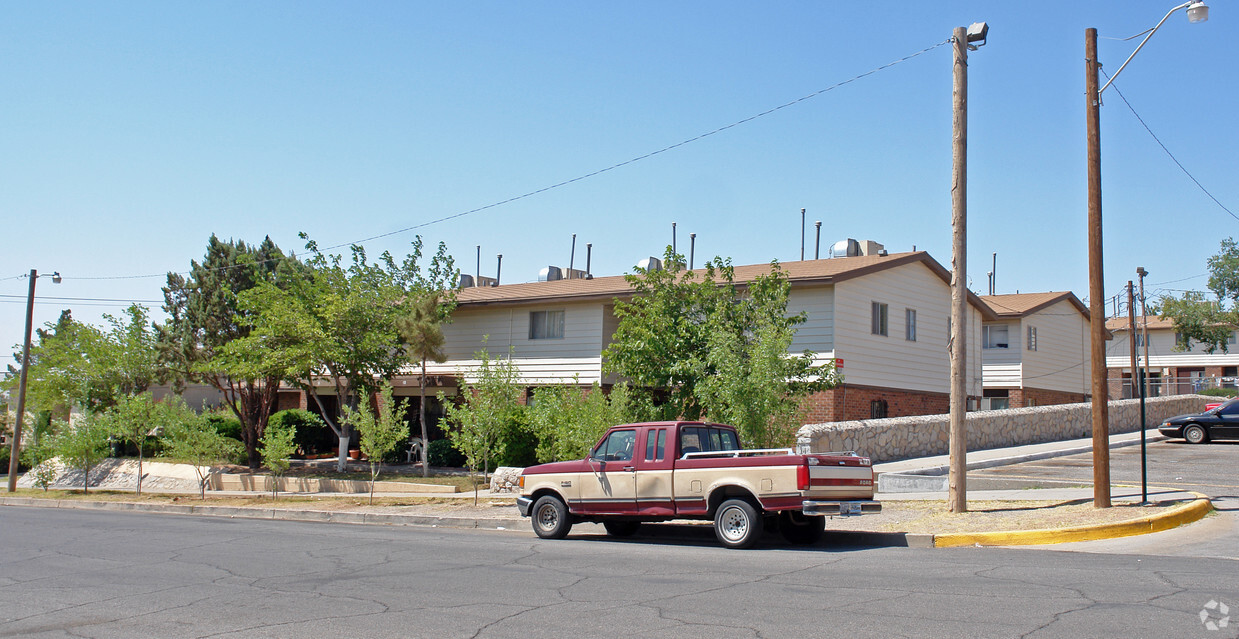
{"x": 884, "y": 319}
{"x": 1035, "y": 351}
{"x": 1176, "y": 365}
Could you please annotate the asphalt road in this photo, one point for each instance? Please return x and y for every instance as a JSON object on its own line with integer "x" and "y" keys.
{"x": 1211, "y": 469}
{"x": 75, "y": 573}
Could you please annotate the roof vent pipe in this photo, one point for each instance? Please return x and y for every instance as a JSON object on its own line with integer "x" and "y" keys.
{"x": 692, "y": 248}
{"x": 801, "y": 235}
{"x": 673, "y": 251}
{"x": 817, "y": 241}
{"x": 477, "y": 272}
{"x": 589, "y": 253}
{"x": 498, "y": 268}
{"x": 572, "y": 255}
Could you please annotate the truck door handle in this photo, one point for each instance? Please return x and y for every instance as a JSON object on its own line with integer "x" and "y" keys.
{"x": 629, "y": 468}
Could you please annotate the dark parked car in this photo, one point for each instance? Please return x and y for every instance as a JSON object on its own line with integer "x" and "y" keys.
{"x": 1216, "y": 423}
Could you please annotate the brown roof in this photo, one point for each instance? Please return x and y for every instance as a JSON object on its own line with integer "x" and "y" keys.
{"x": 800, "y": 273}
{"x": 1022, "y": 304}
{"x": 1155, "y": 322}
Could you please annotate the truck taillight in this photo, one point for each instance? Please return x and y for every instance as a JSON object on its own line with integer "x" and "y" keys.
{"x": 802, "y": 476}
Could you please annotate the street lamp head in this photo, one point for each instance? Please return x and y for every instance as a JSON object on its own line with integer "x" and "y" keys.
{"x": 56, "y": 277}
{"x": 978, "y": 30}
{"x": 1197, "y": 12}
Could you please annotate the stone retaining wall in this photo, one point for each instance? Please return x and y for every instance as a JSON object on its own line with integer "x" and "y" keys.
{"x": 899, "y": 438}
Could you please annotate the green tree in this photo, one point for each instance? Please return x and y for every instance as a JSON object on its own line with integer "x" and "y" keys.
{"x": 192, "y": 438}
{"x": 1203, "y": 318}
{"x": 380, "y": 430}
{"x": 204, "y": 316}
{"x": 132, "y": 420}
{"x": 569, "y": 421}
{"x": 338, "y": 325}
{"x": 485, "y": 411}
{"x": 421, "y": 329}
{"x": 278, "y": 445}
{"x": 82, "y": 445}
{"x": 699, "y": 344}
{"x": 39, "y": 456}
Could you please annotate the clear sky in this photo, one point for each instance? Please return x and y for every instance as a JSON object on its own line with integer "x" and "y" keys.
{"x": 132, "y": 131}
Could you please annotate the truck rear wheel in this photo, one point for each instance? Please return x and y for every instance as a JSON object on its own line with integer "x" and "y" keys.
{"x": 737, "y": 524}
{"x": 801, "y": 529}
{"x": 550, "y": 518}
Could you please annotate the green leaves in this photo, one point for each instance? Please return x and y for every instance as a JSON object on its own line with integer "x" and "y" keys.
{"x": 569, "y": 421}
{"x": 1199, "y": 319}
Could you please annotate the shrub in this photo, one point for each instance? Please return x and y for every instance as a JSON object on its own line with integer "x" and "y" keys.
{"x": 1219, "y": 392}
{"x": 518, "y": 444}
{"x": 310, "y": 430}
{"x": 442, "y": 453}
{"x": 226, "y": 424}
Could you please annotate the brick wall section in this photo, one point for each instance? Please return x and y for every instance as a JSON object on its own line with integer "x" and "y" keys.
{"x": 854, "y": 402}
{"x": 1041, "y": 397}
{"x": 910, "y": 437}
{"x": 290, "y": 399}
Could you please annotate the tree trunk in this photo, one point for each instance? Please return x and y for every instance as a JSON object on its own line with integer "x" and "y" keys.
{"x": 139, "y": 470}
{"x": 342, "y": 459}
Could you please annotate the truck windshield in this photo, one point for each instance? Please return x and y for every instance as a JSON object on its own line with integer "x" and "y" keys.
{"x": 706, "y": 439}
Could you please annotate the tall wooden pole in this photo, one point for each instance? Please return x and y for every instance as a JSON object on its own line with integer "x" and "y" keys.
{"x": 15, "y": 446}
{"x": 958, "y": 479}
{"x": 1096, "y": 288}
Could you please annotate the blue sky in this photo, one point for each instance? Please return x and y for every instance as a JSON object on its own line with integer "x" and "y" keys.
{"x": 134, "y": 130}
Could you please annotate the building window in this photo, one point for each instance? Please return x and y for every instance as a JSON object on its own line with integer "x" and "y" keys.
{"x": 878, "y": 323}
{"x": 910, "y": 323}
{"x": 1032, "y": 338}
{"x": 1182, "y": 342}
{"x": 1230, "y": 339}
{"x": 994, "y": 336}
{"x": 1139, "y": 340}
{"x": 877, "y": 409}
{"x": 546, "y": 325}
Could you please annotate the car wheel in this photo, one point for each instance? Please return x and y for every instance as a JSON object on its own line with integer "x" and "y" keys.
{"x": 550, "y": 518}
{"x": 621, "y": 528}
{"x": 736, "y": 524}
{"x": 1195, "y": 434}
{"x": 801, "y": 529}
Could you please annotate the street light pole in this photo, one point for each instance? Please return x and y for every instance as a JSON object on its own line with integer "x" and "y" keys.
{"x": 16, "y": 444}
{"x": 1197, "y": 11}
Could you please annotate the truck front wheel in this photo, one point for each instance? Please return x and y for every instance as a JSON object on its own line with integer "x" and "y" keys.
{"x": 801, "y": 529}
{"x": 550, "y": 518}
{"x": 736, "y": 524}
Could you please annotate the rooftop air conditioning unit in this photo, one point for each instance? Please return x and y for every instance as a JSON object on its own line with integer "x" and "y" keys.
{"x": 650, "y": 264}
{"x": 577, "y": 274}
{"x": 487, "y": 281}
{"x": 845, "y": 248}
{"x": 550, "y": 274}
{"x": 869, "y": 247}
{"x": 466, "y": 281}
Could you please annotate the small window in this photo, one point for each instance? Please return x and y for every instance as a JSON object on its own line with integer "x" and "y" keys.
{"x": 546, "y": 325}
{"x": 655, "y": 443}
{"x": 877, "y": 409}
{"x": 1032, "y": 338}
{"x": 1182, "y": 342}
{"x": 879, "y": 319}
{"x": 1230, "y": 339}
{"x": 1139, "y": 340}
{"x": 910, "y": 324}
{"x": 994, "y": 336}
{"x": 617, "y": 446}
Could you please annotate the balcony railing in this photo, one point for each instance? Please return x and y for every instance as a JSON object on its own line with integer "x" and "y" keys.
{"x": 1166, "y": 386}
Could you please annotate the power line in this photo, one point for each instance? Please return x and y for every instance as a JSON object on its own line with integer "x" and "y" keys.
{"x": 87, "y": 299}
{"x": 1172, "y": 157}
{"x": 590, "y": 174}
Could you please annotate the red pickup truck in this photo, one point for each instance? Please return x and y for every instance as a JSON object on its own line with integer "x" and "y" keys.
{"x": 659, "y": 471}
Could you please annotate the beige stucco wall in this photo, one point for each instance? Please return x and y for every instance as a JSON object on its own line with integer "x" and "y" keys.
{"x": 898, "y": 438}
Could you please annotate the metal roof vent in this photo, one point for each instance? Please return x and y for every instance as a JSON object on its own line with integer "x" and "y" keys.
{"x": 550, "y": 274}
{"x": 650, "y": 264}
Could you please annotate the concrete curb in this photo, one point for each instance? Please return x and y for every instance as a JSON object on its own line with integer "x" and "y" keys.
{"x": 235, "y": 512}
{"x": 1185, "y": 514}
{"x": 935, "y": 478}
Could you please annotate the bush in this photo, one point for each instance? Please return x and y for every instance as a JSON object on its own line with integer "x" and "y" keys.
{"x": 442, "y": 453}
{"x": 312, "y": 437}
{"x": 226, "y": 424}
{"x": 1219, "y": 392}
{"x": 518, "y": 444}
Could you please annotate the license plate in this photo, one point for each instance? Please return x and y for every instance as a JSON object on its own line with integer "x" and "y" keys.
{"x": 849, "y": 508}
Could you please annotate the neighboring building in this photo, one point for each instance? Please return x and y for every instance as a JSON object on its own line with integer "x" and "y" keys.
{"x": 1176, "y": 365}
{"x": 883, "y": 318}
{"x": 1035, "y": 351}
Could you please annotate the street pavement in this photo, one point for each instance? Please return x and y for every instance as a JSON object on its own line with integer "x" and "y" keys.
{"x": 75, "y": 573}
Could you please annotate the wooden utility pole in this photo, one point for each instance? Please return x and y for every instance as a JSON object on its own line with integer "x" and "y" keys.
{"x": 15, "y": 446}
{"x": 958, "y": 478}
{"x": 1096, "y": 287}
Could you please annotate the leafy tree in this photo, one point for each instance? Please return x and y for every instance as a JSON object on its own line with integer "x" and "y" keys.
{"x": 380, "y": 430}
{"x": 192, "y": 438}
{"x": 133, "y": 419}
{"x": 569, "y": 421}
{"x": 278, "y": 445}
{"x": 697, "y": 344}
{"x": 422, "y": 331}
{"x": 39, "y": 456}
{"x": 487, "y": 406}
{"x": 82, "y": 445}
{"x": 1209, "y": 320}
{"x": 204, "y": 316}
{"x": 339, "y": 324}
